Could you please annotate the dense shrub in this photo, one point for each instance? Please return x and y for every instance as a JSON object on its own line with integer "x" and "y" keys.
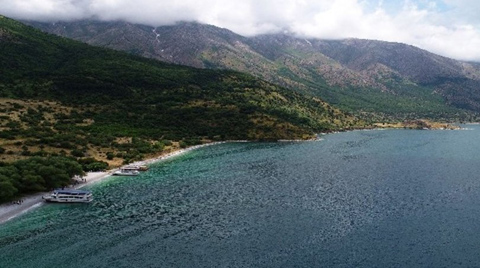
{"x": 36, "y": 174}
{"x": 77, "y": 153}
{"x": 91, "y": 164}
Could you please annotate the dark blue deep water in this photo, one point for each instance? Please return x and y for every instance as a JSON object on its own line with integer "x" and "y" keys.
{"x": 391, "y": 198}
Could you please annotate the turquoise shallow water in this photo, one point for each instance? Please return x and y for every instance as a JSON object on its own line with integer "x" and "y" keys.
{"x": 392, "y": 198}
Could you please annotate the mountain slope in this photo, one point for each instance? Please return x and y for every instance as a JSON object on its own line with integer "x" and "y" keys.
{"x": 358, "y": 75}
{"x": 458, "y": 82}
{"x": 128, "y": 95}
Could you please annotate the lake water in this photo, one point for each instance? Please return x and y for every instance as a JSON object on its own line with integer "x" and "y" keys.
{"x": 382, "y": 198}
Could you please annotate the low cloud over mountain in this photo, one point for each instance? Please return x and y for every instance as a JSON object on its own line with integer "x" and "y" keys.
{"x": 446, "y": 27}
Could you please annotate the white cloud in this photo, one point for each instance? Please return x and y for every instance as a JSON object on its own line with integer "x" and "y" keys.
{"x": 42, "y": 9}
{"x": 446, "y": 27}
{"x": 465, "y": 11}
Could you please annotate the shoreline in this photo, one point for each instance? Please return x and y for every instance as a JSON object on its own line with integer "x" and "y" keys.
{"x": 10, "y": 211}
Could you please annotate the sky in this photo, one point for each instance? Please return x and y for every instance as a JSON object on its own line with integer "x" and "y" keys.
{"x": 449, "y": 28}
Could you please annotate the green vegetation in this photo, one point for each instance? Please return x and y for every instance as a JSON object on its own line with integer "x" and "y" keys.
{"x": 301, "y": 71}
{"x": 97, "y": 108}
{"x": 373, "y": 80}
{"x": 400, "y": 100}
{"x": 376, "y": 106}
{"x": 36, "y": 174}
{"x": 131, "y": 96}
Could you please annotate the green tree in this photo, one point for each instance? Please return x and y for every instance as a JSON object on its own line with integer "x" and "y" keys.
{"x": 7, "y": 190}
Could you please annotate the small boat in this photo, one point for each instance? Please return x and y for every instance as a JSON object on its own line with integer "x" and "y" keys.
{"x": 137, "y": 167}
{"x": 69, "y": 196}
{"x": 126, "y": 172}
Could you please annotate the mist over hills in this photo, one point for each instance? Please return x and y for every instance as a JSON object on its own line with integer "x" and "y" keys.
{"x": 388, "y": 80}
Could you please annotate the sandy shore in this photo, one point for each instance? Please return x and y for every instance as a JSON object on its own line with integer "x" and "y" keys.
{"x": 11, "y": 210}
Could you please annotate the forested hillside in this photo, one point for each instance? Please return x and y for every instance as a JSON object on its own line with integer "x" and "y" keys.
{"x": 373, "y": 79}
{"x": 99, "y": 107}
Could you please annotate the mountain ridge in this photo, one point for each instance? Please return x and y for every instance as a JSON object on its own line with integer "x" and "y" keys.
{"x": 353, "y": 74}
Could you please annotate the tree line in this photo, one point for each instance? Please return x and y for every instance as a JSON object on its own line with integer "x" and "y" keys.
{"x": 36, "y": 174}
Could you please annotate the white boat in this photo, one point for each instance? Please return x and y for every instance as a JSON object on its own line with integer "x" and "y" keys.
{"x": 69, "y": 196}
{"x": 126, "y": 172}
{"x": 137, "y": 167}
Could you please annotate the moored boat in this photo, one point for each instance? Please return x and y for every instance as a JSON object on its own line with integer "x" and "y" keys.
{"x": 126, "y": 172}
{"x": 69, "y": 196}
{"x": 137, "y": 167}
